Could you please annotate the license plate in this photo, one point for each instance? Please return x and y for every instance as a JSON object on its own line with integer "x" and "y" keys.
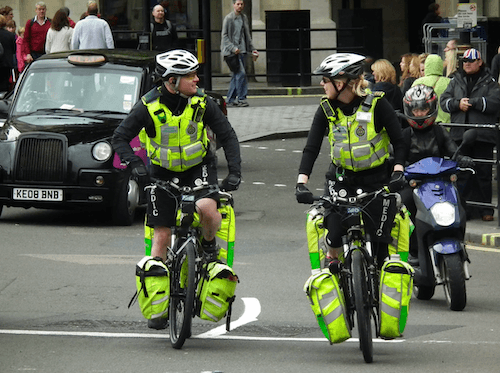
{"x": 29, "y": 194}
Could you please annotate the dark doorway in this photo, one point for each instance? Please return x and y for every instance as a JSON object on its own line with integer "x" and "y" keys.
{"x": 288, "y": 41}
{"x": 415, "y": 14}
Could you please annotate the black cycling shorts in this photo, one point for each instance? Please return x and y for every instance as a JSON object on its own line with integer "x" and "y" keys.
{"x": 162, "y": 206}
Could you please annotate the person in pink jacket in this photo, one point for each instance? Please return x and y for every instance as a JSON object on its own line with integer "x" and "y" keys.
{"x": 21, "y": 50}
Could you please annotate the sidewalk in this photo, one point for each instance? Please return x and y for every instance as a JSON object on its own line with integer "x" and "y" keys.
{"x": 251, "y": 123}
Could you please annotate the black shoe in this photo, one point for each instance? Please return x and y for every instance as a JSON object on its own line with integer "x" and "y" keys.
{"x": 210, "y": 252}
{"x": 159, "y": 323}
{"x": 333, "y": 264}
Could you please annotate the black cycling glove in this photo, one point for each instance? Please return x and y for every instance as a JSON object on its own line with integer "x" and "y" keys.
{"x": 303, "y": 194}
{"x": 139, "y": 172}
{"x": 397, "y": 182}
{"x": 231, "y": 182}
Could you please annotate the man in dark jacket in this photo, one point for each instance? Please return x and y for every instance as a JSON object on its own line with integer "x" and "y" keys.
{"x": 8, "y": 42}
{"x": 473, "y": 96}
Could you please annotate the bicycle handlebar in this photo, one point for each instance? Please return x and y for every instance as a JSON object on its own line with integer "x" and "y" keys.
{"x": 352, "y": 200}
{"x": 168, "y": 185}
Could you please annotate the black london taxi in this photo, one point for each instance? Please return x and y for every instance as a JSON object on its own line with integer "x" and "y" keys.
{"x": 55, "y": 149}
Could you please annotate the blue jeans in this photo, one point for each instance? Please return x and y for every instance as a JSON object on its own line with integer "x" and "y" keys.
{"x": 238, "y": 87}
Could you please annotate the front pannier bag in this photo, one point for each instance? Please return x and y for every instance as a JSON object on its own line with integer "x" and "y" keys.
{"x": 153, "y": 287}
{"x": 328, "y": 305}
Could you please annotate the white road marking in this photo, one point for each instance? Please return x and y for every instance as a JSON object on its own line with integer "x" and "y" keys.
{"x": 483, "y": 248}
{"x": 258, "y": 183}
{"x": 280, "y": 185}
{"x": 54, "y": 333}
{"x": 252, "y": 310}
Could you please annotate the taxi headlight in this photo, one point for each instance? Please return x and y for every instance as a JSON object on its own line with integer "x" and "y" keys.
{"x": 102, "y": 151}
{"x": 444, "y": 213}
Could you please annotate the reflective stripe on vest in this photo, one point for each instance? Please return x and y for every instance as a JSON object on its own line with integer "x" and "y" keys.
{"x": 181, "y": 142}
{"x": 355, "y": 145}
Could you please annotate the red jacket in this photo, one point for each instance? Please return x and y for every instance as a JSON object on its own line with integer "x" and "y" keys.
{"x": 35, "y": 34}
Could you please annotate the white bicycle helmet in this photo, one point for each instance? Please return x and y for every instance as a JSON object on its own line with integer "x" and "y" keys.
{"x": 420, "y": 97}
{"x": 177, "y": 62}
{"x": 347, "y": 65}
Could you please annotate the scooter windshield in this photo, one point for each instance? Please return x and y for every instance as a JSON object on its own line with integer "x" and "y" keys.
{"x": 430, "y": 166}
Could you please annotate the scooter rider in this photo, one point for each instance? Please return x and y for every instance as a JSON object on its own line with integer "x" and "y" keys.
{"x": 423, "y": 138}
{"x": 175, "y": 116}
{"x": 362, "y": 126}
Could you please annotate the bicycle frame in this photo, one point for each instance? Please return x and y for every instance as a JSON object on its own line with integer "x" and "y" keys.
{"x": 184, "y": 259}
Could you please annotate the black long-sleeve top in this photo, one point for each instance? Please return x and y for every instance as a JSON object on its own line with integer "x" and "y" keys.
{"x": 139, "y": 118}
{"x": 384, "y": 117}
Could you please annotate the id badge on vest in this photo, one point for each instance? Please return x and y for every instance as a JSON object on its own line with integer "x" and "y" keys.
{"x": 362, "y": 116}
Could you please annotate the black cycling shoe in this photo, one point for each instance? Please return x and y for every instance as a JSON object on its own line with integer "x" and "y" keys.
{"x": 158, "y": 323}
{"x": 210, "y": 251}
{"x": 335, "y": 266}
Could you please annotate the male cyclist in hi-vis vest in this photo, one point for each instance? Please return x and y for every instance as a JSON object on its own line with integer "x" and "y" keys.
{"x": 173, "y": 120}
{"x": 361, "y": 127}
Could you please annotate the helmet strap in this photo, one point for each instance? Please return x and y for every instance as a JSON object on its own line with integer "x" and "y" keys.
{"x": 344, "y": 87}
{"x": 174, "y": 86}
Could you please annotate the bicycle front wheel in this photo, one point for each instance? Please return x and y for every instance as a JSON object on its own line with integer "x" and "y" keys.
{"x": 182, "y": 297}
{"x": 362, "y": 304}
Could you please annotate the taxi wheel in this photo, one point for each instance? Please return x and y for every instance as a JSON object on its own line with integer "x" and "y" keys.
{"x": 126, "y": 201}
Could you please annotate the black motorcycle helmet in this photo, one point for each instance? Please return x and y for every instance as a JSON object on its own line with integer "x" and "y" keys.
{"x": 420, "y": 97}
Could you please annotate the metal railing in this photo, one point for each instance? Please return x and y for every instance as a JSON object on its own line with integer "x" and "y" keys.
{"x": 448, "y": 31}
{"x": 356, "y": 33}
{"x": 495, "y": 162}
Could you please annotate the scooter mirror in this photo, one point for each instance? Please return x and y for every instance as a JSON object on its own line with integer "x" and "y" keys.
{"x": 469, "y": 136}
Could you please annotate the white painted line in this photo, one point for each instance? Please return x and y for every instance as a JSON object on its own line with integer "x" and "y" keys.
{"x": 280, "y": 185}
{"x": 201, "y": 336}
{"x": 252, "y": 310}
{"x": 280, "y": 150}
{"x": 258, "y": 183}
{"x": 263, "y": 147}
{"x": 482, "y": 248}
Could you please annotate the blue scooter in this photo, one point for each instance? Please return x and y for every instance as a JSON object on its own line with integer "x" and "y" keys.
{"x": 440, "y": 228}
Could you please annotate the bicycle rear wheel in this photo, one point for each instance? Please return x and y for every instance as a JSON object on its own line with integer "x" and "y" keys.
{"x": 182, "y": 297}
{"x": 362, "y": 304}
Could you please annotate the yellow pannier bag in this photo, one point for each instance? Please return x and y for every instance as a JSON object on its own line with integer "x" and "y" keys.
{"x": 396, "y": 288}
{"x": 153, "y": 288}
{"x": 316, "y": 241}
{"x": 215, "y": 292}
{"x": 328, "y": 305}
{"x": 400, "y": 233}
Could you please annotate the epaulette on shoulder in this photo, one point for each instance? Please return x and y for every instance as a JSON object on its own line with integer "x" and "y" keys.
{"x": 151, "y": 95}
{"x": 378, "y": 93}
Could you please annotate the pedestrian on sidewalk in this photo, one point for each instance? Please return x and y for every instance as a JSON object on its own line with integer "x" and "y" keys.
{"x": 236, "y": 42}
{"x": 35, "y": 32}
{"x": 92, "y": 32}
{"x": 473, "y": 96}
{"x": 60, "y": 34}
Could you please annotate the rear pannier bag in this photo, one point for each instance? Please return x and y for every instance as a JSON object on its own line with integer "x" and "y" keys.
{"x": 215, "y": 293}
{"x": 153, "y": 287}
{"x": 396, "y": 287}
{"x": 328, "y": 305}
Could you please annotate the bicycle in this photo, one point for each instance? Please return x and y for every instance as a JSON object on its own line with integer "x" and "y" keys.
{"x": 359, "y": 273}
{"x": 185, "y": 258}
